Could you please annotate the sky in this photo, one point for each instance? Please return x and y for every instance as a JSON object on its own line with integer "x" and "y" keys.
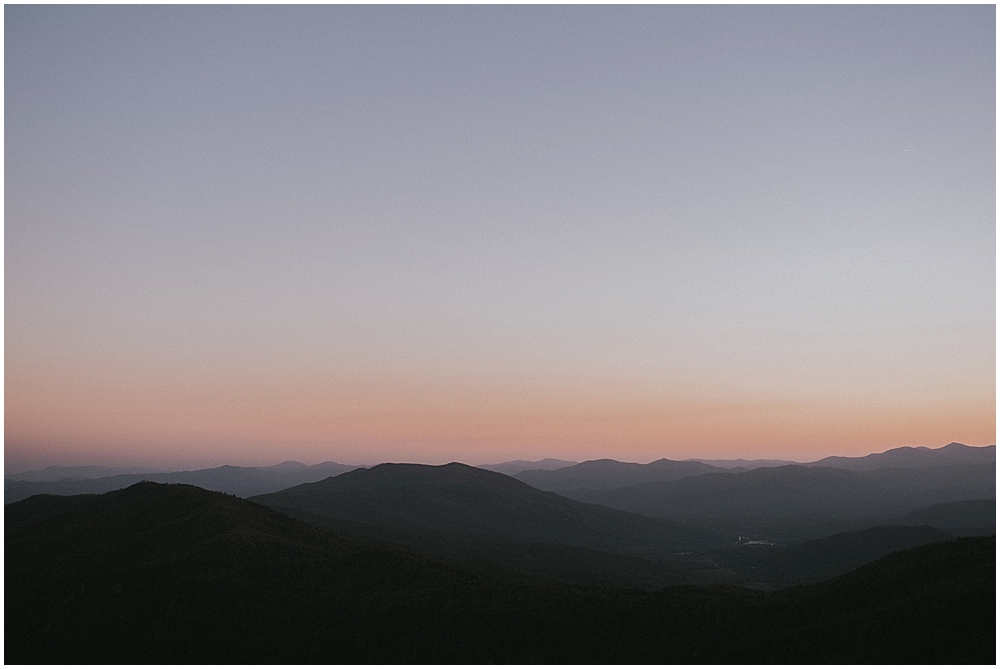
{"x": 248, "y": 234}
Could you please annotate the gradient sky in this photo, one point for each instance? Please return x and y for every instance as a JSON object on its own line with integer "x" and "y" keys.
{"x": 249, "y": 234}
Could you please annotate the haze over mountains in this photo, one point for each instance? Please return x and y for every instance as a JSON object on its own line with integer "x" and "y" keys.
{"x": 517, "y": 466}
{"x": 906, "y": 478}
{"x": 172, "y": 573}
{"x": 912, "y": 457}
{"x": 240, "y": 481}
{"x": 488, "y": 521}
{"x": 422, "y": 563}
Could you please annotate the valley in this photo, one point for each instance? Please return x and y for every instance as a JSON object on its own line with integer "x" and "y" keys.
{"x": 404, "y": 563}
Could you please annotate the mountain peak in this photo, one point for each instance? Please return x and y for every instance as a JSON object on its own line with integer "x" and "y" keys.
{"x": 289, "y": 465}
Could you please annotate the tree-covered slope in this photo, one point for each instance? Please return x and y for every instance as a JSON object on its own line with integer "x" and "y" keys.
{"x": 818, "y": 493}
{"x": 173, "y": 574}
{"x": 812, "y": 561}
{"x": 457, "y": 499}
{"x": 494, "y": 524}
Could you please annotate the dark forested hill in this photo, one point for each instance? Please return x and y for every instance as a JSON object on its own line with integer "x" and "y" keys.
{"x": 494, "y": 522}
{"x": 791, "y": 490}
{"x": 460, "y": 499}
{"x": 796, "y": 502}
{"x": 174, "y": 574}
{"x": 812, "y": 561}
{"x": 971, "y": 517}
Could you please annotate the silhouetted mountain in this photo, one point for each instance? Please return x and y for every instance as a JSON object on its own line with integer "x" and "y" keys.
{"x": 485, "y": 519}
{"x": 459, "y": 499}
{"x": 291, "y": 466}
{"x": 791, "y": 490}
{"x": 240, "y": 481}
{"x": 607, "y": 474}
{"x": 14, "y": 491}
{"x": 969, "y": 518}
{"x": 517, "y": 466}
{"x": 57, "y": 473}
{"x": 174, "y": 574}
{"x": 740, "y": 463}
{"x": 796, "y": 501}
{"x": 910, "y": 457}
{"x": 935, "y": 604}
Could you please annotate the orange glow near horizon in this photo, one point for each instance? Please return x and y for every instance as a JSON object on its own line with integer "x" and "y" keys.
{"x": 476, "y": 422}
{"x": 385, "y": 246}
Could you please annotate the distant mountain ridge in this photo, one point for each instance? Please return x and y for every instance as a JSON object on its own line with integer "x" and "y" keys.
{"x": 798, "y": 502}
{"x": 577, "y": 480}
{"x": 59, "y": 473}
{"x": 976, "y": 516}
{"x": 517, "y": 466}
{"x": 239, "y": 481}
{"x": 741, "y": 463}
{"x": 606, "y": 473}
{"x": 912, "y": 457}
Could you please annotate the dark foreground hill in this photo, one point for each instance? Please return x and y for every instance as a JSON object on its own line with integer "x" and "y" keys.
{"x": 175, "y": 574}
{"x": 495, "y": 524}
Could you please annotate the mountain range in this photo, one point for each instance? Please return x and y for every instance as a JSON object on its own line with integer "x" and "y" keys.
{"x": 160, "y": 573}
{"x": 490, "y": 522}
{"x": 517, "y": 466}
{"x": 607, "y": 474}
{"x": 240, "y": 481}
{"x": 794, "y": 490}
{"x": 910, "y": 457}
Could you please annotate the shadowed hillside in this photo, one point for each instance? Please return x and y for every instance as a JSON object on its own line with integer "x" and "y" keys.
{"x": 972, "y": 517}
{"x": 812, "y": 561}
{"x": 174, "y": 574}
{"x": 798, "y": 502}
{"x": 457, "y": 498}
{"x": 493, "y": 522}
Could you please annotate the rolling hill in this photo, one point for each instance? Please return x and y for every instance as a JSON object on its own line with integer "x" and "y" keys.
{"x": 798, "y": 502}
{"x": 971, "y": 517}
{"x": 773, "y": 567}
{"x": 607, "y": 474}
{"x": 174, "y": 574}
{"x": 477, "y": 517}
